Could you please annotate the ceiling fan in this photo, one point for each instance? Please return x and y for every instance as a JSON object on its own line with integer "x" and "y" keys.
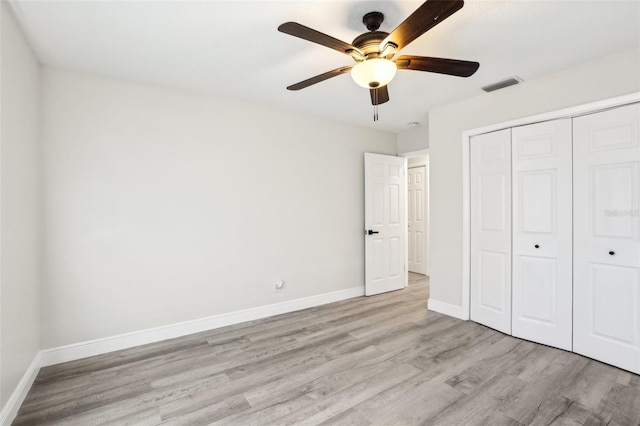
{"x": 374, "y": 51}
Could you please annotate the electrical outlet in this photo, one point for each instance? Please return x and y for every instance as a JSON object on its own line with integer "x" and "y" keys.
{"x": 279, "y": 285}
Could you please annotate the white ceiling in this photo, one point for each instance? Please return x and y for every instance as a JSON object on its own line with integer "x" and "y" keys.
{"x": 232, "y": 49}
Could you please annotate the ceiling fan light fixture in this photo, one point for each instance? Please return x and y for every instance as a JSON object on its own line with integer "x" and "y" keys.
{"x": 372, "y": 73}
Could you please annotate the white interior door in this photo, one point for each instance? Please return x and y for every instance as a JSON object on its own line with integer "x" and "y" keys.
{"x": 417, "y": 219}
{"x": 541, "y": 274}
{"x": 491, "y": 230}
{"x": 385, "y": 223}
{"x": 607, "y": 237}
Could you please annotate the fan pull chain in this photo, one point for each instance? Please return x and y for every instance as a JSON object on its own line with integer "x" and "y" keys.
{"x": 375, "y": 104}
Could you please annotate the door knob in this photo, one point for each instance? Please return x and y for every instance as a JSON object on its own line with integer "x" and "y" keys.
{"x": 371, "y": 232}
{"x": 611, "y": 253}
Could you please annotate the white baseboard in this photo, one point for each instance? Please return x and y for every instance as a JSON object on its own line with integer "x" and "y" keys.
{"x": 124, "y": 341}
{"x": 109, "y": 344}
{"x": 446, "y": 308}
{"x": 10, "y": 409}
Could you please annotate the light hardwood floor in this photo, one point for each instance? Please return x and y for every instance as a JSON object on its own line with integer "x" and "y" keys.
{"x": 379, "y": 360}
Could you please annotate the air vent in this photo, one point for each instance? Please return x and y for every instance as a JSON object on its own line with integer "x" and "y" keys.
{"x": 502, "y": 84}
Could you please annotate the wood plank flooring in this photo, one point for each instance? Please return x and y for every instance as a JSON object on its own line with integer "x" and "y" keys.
{"x": 380, "y": 360}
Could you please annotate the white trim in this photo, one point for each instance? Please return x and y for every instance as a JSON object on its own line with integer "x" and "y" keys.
{"x": 466, "y": 225}
{"x": 445, "y": 308}
{"x": 406, "y": 214}
{"x": 417, "y": 164}
{"x": 10, "y": 409}
{"x": 124, "y": 341}
{"x": 427, "y": 211}
{"x": 570, "y": 112}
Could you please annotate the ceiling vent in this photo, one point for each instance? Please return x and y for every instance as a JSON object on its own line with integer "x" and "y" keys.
{"x": 502, "y": 84}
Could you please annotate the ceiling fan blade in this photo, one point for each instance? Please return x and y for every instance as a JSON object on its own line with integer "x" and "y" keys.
{"x": 318, "y": 78}
{"x": 306, "y": 33}
{"x": 439, "y": 65}
{"x": 379, "y": 95}
{"x": 427, "y": 16}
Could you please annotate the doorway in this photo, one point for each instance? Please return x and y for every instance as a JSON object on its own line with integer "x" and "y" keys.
{"x": 418, "y": 212}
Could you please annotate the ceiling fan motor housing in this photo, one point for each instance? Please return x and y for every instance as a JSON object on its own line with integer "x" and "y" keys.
{"x": 369, "y": 43}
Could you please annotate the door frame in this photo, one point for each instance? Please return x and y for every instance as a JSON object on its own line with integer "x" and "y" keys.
{"x": 571, "y": 112}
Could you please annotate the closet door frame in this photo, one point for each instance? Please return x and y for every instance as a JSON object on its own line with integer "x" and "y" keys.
{"x": 464, "y": 312}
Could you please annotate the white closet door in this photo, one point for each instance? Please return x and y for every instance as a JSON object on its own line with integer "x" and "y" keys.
{"x": 491, "y": 230}
{"x": 542, "y": 287}
{"x": 606, "y": 237}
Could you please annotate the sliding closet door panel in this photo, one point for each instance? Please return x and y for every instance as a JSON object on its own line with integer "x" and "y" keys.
{"x": 491, "y": 230}
{"x": 542, "y": 287}
{"x": 607, "y": 236}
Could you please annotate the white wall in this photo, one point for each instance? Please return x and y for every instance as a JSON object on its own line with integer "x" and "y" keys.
{"x": 19, "y": 195}
{"x": 163, "y": 206}
{"x": 608, "y": 77}
{"x": 414, "y": 138}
